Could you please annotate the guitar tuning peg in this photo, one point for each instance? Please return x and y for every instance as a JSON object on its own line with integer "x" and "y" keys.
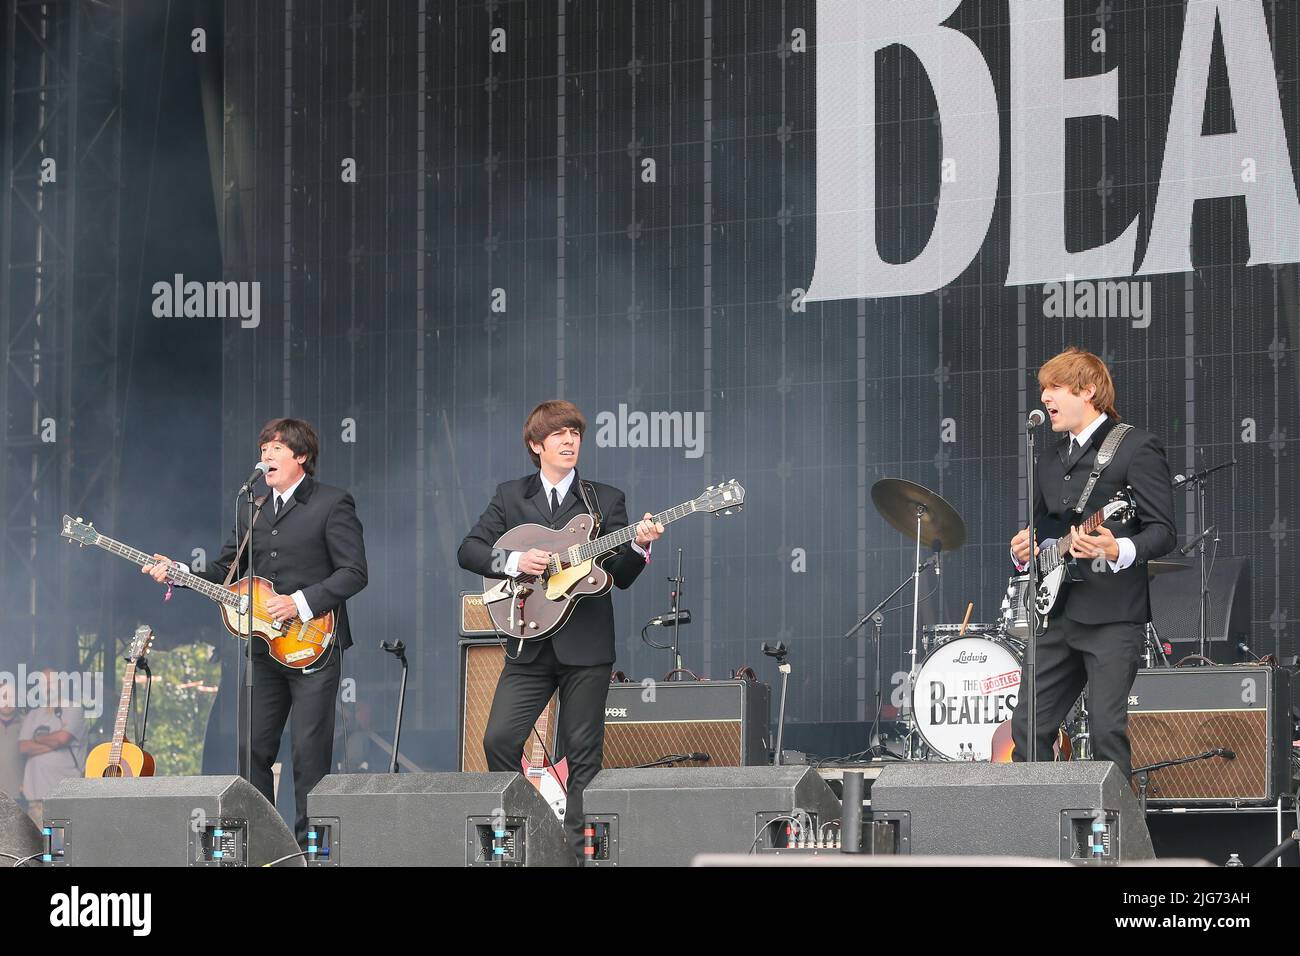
{"x": 79, "y": 518}
{"x": 710, "y": 488}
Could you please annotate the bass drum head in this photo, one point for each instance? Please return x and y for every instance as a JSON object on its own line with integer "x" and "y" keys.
{"x": 964, "y": 690}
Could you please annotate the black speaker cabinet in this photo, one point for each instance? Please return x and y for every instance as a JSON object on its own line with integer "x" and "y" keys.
{"x": 433, "y": 819}
{"x": 19, "y": 837}
{"x": 665, "y": 816}
{"x": 165, "y": 821}
{"x": 1082, "y": 812}
{"x": 1175, "y": 610}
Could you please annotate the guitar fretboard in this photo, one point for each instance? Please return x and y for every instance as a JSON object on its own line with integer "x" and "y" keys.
{"x": 616, "y": 539}
{"x": 177, "y": 575}
{"x": 123, "y": 705}
{"x": 1053, "y": 556}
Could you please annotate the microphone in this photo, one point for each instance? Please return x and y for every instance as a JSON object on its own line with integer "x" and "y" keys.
{"x": 1225, "y": 753}
{"x": 260, "y": 469}
{"x": 670, "y": 620}
{"x": 1036, "y": 418}
{"x": 937, "y": 546}
{"x": 699, "y": 757}
{"x": 1245, "y": 649}
{"x": 1190, "y": 546}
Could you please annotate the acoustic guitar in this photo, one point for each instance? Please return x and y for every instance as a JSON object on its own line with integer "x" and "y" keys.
{"x": 120, "y": 757}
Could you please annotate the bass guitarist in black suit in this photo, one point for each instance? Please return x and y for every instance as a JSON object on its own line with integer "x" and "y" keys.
{"x": 307, "y": 541}
{"x": 1096, "y": 630}
{"x": 578, "y": 657}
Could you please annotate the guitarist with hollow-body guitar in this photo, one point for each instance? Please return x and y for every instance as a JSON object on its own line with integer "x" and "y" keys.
{"x": 576, "y": 659}
{"x": 1095, "y": 631}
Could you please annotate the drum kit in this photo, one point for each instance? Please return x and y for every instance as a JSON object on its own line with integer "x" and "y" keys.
{"x": 964, "y": 679}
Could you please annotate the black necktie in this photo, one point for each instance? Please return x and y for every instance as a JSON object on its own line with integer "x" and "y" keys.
{"x": 555, "y": 503}
{"x": 277, "y": 504}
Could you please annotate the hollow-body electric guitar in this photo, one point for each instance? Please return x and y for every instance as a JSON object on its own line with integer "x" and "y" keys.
{"x": 294, "y": 643}
{"x": 529, "y": 607}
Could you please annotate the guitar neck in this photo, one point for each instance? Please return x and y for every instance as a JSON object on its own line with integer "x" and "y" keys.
{"x": 1051, "y": 558}
{"x": 616, "y": 539}
{"x": 123, "y": 707}
{"x": 208, "y": 589}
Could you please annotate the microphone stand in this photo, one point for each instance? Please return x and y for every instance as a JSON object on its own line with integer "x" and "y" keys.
{"x": 677, "y": 582}
{"x": 781, "y": 655}
{"x": 1031, "y": 594}
{"x": 878, "y": 619}
{"x": 1197, "y": 480}
{"x": 1143, "y": 773}
{"x": 247, "y": 735}
{"x": 398, "y": 650}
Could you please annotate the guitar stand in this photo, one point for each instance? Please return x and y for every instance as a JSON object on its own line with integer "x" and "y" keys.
{"x": 143, "y": 664}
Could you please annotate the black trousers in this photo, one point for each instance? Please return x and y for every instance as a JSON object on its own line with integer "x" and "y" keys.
{"x": 1070, "y": 655}
{"x": 278, "y": 691}
{"x": 522, "y": 692}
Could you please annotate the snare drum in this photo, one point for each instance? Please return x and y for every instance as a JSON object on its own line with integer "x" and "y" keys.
{"x": 965, "y": 689}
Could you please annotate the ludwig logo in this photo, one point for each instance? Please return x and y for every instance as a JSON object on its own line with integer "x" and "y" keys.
{"x": 966, "y": 657}
{"x": 615, "y": 712}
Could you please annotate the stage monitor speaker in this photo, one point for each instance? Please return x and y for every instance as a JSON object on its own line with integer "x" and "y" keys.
{"x": 481, "y": 662}
{"x": 1081, "y": 812}
{"x": 666, "y": 816}
{"x": 1176, "y": 614}
{"x": 1184, "y": 711}
{"x": 727, "y": 719}
{"x": 165, "y": 821}
{"x": 433, "y": 819}
{"x": 19, "y": 837}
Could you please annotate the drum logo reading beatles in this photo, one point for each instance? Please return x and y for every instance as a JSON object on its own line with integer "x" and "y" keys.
{"x": 965, "y": 690}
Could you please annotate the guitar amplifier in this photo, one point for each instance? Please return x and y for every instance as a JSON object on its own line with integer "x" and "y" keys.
{"x": 481, "y": 662}
{"x": 1179, "y": 712}
{"x": 727, "y": 719}
{"x": 475, "y": 621}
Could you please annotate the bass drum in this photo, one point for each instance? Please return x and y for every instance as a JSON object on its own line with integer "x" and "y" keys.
{"x": 965, "y": 689}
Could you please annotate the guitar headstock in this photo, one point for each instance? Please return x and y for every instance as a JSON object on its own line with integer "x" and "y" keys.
{"x": 725, "y": 498}
{"x": 76, "y": 529}
{"x": 141, "y": 643}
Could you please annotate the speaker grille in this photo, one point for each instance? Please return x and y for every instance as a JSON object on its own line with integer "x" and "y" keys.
{"x": 1167, "y": 735}
{"x": 482, "y": 664}
{"x": 631, "y": 744}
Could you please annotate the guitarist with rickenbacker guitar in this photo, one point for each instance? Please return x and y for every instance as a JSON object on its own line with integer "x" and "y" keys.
{"x": 1096, "y": 625}
{"x": 564, "y": 641}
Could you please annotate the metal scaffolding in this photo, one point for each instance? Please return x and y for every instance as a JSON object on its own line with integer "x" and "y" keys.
{"x": 59, "y": 322}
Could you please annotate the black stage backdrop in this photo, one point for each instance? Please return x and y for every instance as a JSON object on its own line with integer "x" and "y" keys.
{"x": 458, "y": 209}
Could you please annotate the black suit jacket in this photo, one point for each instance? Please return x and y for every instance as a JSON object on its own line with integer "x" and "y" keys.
{"x": 314, "y": 545}
{"x": 587, "y": 637}
{"x": 1108, "y": 597}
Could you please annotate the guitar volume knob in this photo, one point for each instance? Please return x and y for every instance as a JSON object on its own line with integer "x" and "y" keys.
{"x": 532, "y": 625}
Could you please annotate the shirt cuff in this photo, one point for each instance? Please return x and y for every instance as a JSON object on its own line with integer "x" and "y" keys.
{"x": 1127, "y": 555}
{"x": 644, "y": 552}
{"x": 300, "y": 602}
{"x": 1041, "y": 545}
{"x": 512, "y": 564}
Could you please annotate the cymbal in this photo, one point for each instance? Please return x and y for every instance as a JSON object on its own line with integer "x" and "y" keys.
{"x": 1166, "y": 567}
{"x": 898, "y": 499}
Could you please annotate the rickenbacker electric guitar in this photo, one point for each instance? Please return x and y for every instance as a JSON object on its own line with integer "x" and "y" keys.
{"x": 294, "y": 643}
{"x": 551, "y": 780}
{"x": 121, "y": 758}
{"x": 529, "y": 607}
{"x": 1054, "y": 563}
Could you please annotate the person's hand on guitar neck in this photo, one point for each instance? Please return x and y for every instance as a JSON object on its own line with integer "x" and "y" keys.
{"x": 159, "y": 570}
{"x": 648, "y": 532}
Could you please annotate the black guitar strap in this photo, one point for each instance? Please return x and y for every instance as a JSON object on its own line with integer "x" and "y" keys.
{"x": 1105, "y": 455}
{"x": 593, "y": 505}
{"x": 234, "y": 565}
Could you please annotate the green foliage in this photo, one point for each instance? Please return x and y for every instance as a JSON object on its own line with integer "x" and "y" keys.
{"x": 184, "y": 687}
